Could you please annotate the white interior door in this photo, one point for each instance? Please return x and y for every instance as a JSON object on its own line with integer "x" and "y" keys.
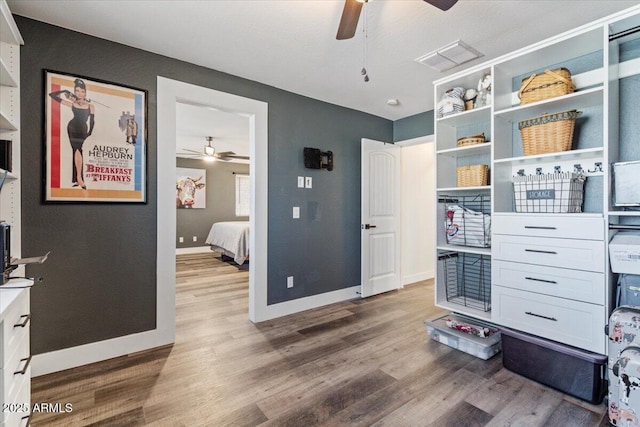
{"x": 381, "y": 221}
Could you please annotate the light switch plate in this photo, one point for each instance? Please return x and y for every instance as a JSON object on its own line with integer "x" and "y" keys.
{"x": 308, "y": 181}
{"x": 296, "y": 212}
{"x": 301, "y": 182}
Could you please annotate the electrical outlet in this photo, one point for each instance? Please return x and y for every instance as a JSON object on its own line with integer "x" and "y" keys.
{"x": 308, "y": 182}
{"x": 301, "y": 182}
{"x": 290, "y": 282}
{"x": 181, "y": 239}
{"x": 195, "y": 238}
{"x": 296, "y": 212}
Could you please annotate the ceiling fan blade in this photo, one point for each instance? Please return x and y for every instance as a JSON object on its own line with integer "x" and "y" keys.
{"x": 225, "y": 153}
{"x": 442, "y": 4}
{"x": 193, "y": 151}
{"x": 349, "y": 20}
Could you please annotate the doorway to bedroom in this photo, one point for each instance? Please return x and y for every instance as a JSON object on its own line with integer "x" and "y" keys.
{"x": 239, "y": 170}
{"x": 213, "y": 185}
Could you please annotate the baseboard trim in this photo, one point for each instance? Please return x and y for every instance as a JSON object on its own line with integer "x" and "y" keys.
{"x": 193, "y": 250}
{"x": 59, "y": 360}
{"x": 307, "y": 303}
{"x": 418, "y": 277}
{"x": 72, "y": 357}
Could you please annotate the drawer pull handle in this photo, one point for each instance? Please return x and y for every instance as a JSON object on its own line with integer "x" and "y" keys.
{"x": 542, "y": 280}
{"x": 538, "y": 227}
{"x": 25, "y": 322}
{"x": 541, "y": 252}
{"x": 23, "y": 371}
{"x": 28, "y": 420}
{"x": 540, "y": 315}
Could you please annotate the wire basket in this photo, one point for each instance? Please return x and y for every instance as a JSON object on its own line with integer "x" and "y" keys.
{"x": 467, "y": 279}
{"x": 472, "y": 175}
{"x": 549, "y": 133}
{"x": 549, "y": 193}
{"x": 467, "y": 220}
{"x": 550, "y": 84}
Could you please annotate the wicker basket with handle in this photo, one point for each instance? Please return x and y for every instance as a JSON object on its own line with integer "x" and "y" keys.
{"x": 549, "y": 84}
{"x": 471, "y": 140}
{"x": 549, "y": 133}
{"x": 472, "y": 175}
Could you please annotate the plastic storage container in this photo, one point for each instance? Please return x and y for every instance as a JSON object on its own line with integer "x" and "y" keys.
{"x": 570, "y": 370}
{"x": 484, "y": 348}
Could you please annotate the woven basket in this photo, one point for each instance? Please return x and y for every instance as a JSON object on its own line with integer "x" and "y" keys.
{"x": 549, "y": 84}
{"x": 549, "y": 133}
{"x": 472, "y": 175}
{"x": 471, "y": 140}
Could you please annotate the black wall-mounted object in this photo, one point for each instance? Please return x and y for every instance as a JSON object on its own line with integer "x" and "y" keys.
{"x": 313, "y": 159}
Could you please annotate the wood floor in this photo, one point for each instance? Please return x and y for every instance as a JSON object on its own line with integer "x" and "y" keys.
{"x": 358, "y": 363}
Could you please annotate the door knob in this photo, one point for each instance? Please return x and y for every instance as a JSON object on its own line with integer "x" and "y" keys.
{"x": 368, "y": 226}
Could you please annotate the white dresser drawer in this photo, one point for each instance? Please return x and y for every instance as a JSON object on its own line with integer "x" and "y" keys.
{"x": 19, "y": 405}
{"x": 15, "y": 325}
{"x": 549, "y": 225}
{"x": 585, "y": 255}
{"x": 578, "y": 285}
{"x": 569, "y": 322}
{"x": 12, "y": 375}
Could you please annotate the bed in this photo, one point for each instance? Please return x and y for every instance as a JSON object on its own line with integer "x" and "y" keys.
{"x": 231, "y": 238}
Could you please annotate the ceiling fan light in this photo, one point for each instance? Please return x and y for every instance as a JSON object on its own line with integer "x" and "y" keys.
{"x": 209, "y": 158}
{"x": 209, "y": 150}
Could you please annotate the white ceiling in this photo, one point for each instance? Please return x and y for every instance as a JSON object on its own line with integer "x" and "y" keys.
{"x": 230, "y": 131}
{"x": 291, "y": 44}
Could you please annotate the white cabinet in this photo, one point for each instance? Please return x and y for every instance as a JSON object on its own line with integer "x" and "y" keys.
{"x": 15, "y": 357}
{"x": 543, "y": 266}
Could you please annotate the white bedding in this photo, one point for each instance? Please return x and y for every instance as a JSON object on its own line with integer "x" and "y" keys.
{"x": 232, "y": 237}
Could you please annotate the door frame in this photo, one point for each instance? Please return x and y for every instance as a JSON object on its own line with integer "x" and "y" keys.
{"x": 171, "y": 92}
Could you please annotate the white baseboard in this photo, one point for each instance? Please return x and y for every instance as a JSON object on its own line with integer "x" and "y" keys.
{"x": 307, "y": 303}
{"x": 193, "y": 250}
{"x": 59, "y": 360}
{"x": 73, "y": 357}
{"x": 418, "y": 277}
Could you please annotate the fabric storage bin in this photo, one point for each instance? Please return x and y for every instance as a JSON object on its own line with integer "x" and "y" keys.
{"x": 626, "y": 191}
{"x": 549, "y": 84}
{"x": 570, "y": 370}
{"x": 484, "y": 348}
{"x": 624, "y": 252}
{"x": 629, "y": 287}
{"x": 549, "y": 193}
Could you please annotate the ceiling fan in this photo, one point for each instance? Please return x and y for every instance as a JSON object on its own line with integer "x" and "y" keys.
{"x": 351, "y": 14}
{"x": 209, "y": 153}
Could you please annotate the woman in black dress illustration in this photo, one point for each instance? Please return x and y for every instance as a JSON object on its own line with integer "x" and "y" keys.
{"x": 77, "y": 128}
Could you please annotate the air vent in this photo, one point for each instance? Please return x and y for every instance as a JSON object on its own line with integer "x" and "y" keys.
{"x": 449, "y": 56}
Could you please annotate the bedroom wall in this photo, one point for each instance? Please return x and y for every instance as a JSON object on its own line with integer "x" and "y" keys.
{"x": 220, "y": 196}
{"x": 100, "y": 279}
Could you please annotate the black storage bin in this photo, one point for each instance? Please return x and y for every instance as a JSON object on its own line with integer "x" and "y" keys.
{"x": 570, "y": 370}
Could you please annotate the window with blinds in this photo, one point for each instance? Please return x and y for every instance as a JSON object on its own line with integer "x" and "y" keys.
{"x": 243, "y": 195}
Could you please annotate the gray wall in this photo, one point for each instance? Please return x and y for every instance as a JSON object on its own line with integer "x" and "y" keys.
{"x": 100, "y": 280}
{"x": 221, "y": 201}
{"x": 420, "y": 124}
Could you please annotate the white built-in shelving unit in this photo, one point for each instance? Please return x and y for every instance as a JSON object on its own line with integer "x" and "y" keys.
{"x": 565, "y": 312}
{"x": 15, "y": 358}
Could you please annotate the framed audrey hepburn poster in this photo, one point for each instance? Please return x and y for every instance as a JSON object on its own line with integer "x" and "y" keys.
{"x": 95, "y": 140}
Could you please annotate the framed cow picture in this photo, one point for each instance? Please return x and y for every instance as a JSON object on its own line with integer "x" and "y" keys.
{"x": 191, "y": 188}
{"x": 95, "y": 140}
